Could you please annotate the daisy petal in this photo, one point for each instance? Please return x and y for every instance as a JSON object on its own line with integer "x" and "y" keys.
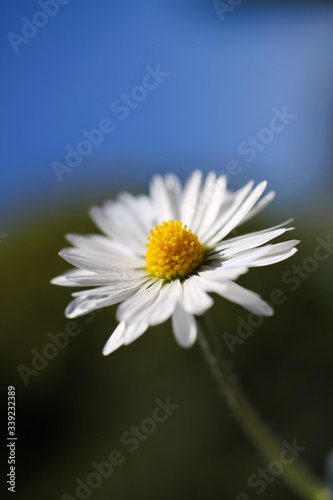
{"x": 133, "y": 309}
{"x": 229, "y": 241}
{"x": 190, "y": 198}
{"x": 237, "y": 199}
{"x": 134, "y": 331}
{"x": 165, "y": 303}
{"x": 184, "y": 327}
{"x": 93, "y": 260}
{"x": 67, "y": 279}
{"x": 113, "y": 220}
{"x": 82, "y": 278}
{"x": 160, "y": 200}
{"x": 206, "y": 195}
{"x": 260, "y": 206}
{"x": 212, "y": 198}
{"x": 222, "y": 273}
{"x": 174, "y": 190}
{"x": 116, "y": 340}
{"x": 86, "y": 303}
{"x": 194, "y": 300}
{"x": 140, "y": 209}
{"x": 121, "y": 218}
{"x": 248, "y": 242}
{"x": 245, "y": 258}
{"x": 157, "y": 308}
{"x": 276, "y": 253}
{"x": 98, "y": 243}
{"x": 114, "y": 287}
{"x": 239, "y": 214}
{"x": 236, "y": 293}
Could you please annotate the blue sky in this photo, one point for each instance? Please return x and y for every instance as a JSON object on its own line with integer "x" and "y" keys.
{"x": 226, "y": 80}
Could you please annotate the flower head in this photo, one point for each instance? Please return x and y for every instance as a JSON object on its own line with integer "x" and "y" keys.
{"x": 162, "y": 254}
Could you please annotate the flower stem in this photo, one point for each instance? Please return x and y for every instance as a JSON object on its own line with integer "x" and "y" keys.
{"x": 303, "y": 482}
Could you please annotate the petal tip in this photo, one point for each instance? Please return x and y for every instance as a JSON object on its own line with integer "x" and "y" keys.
{"x": 116, "y": 339}
{"x": 268, "y": 311}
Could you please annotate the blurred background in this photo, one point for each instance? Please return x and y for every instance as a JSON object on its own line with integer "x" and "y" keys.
{"x": 96, "y": 97}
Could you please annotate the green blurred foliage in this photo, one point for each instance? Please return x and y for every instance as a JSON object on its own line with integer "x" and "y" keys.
{"x": 75, "y": 410}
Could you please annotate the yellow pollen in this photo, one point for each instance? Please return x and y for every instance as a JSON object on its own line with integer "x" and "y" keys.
{"x": 173, "y": 251}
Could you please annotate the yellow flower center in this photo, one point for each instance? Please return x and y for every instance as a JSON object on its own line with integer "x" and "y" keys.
{"x": 173, "y": 251}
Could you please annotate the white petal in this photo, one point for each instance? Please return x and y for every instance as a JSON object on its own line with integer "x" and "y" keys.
{"x": 184, "y": 327}
{"x": 174, "y": 189}
{"x": 276, "y": 253}
{"x": 103, "y": 222}
{"x": 124, "y": 334}
{"x": 237, "y": 198}
{"x": 206, "y": 194}
{"x": 230, "y": 241}
{"x": 274, "y": 259}
{"x": 140, "y": 209}
{"x": 266, "y": 200}
{"x": 132, "y": 310}
{"x": 83, "y": 278}
{"x": 92, "y": 260}
{"x": 245, "y": 258}
{"x": 152, "y": 306}
{"x": 83, "y": 305}
{"x": 125, "y": 225}
{"x": 211, "y": 199}
{"x": 134, "y": 331}
{"x": 239, "y": 214}
{"x": 160, "y": 200}
{"x": 262, "y": 256}
{"x": 222, "y": 273}
{"x": 145, "y": 211}
{"x": 114, "y": 287}
{"x": 190, "y": 198}
{"x": 87, "y": 303}
{"x": 67, "y": 279}
{"x": 116, "y": 340}
{"x": 99, "y": 243}
{"x": 119, "y": 225}
{"x": 165, "y": 303}
{"x": 194, "y": 300}
{"x": 248, "y": 242}
{"x": 236, "y": 293}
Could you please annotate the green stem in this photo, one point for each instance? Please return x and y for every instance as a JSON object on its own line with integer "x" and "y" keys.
{"x": 304, "y": 483}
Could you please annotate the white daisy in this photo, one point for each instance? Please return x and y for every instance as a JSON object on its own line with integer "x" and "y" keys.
{"x": 162, "y": 254}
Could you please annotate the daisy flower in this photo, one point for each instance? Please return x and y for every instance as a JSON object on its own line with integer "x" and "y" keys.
{"x": 161, "y": 255}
